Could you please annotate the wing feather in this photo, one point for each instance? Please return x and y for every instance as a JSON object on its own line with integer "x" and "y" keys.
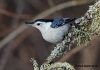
{"x": 60, "y": 22}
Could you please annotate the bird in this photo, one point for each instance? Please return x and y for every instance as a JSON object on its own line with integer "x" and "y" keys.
{"x": 53, "y": 30}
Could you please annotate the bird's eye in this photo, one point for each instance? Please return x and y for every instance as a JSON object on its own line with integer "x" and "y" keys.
{"x": 38, "y": 24}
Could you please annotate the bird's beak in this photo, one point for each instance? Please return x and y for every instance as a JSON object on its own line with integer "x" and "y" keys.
{"x": 29, "y": 23}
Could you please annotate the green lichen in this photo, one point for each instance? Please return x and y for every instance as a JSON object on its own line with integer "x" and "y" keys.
{"x": 81, "y": 32}
{"x": 89, "y": 25}
{"x": 60, "y": 66}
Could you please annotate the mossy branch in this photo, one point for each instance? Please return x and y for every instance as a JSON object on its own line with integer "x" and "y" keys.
{"x": 81, "y": 31}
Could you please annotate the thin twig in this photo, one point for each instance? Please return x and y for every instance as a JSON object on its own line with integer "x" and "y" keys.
{"x": 15, "y": 15}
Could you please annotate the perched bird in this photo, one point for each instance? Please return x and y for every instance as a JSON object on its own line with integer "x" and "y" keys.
{"x": 53, "y": 30}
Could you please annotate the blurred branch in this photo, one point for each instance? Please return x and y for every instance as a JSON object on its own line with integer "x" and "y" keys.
{"x": 19, "y": 9}
{"x": 9, "y": 49}
{"x": 2, "y": 2}
{"x": 10, "y": 14}
{"x": 50, "y": 2}
{"x": 5, "y": 33}
{"x": 61, "y": 6}
{"x": 12, "y": 35}
{"x": 2, "y": 5}
{"x": 6, "y": 52}
{"x": 4, "y": 57}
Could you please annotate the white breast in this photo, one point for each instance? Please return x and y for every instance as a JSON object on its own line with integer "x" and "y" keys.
{"x": 54, "y": 35}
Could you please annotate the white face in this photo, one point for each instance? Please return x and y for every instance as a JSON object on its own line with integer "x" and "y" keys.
{"x": 41, "y": 25}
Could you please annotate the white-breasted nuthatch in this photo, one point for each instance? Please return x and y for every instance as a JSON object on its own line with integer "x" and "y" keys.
{"x": 53, "y": 30}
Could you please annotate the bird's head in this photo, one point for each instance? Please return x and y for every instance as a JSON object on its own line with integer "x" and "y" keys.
{"x": 40, "y": 23}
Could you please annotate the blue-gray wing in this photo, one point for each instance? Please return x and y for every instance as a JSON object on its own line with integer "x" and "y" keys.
{"x": 60, "y": 22}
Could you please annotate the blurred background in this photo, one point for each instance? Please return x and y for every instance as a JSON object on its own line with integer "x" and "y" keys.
{"x": 20, "y": 42}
